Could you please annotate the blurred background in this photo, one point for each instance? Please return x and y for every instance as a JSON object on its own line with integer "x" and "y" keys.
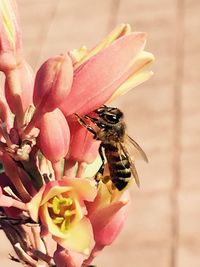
{"x": 162, "y": 115}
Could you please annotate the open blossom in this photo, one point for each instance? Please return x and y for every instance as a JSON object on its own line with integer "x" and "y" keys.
{"x": 60, "y": 207}
{"x": 107, "y": 216}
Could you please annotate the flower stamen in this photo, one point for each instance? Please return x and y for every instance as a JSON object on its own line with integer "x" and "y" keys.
{"x": 61, "y": 211}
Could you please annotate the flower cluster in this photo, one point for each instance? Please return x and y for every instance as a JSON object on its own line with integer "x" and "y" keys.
{"x": 52, "y": 210}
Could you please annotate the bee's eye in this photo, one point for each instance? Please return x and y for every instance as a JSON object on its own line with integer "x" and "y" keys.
{"x": 111, "y": 118}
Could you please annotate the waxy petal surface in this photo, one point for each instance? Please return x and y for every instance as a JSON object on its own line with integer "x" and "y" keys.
{"x": 53, "y": 82}
{"x": 54, "y": 135}
{"x": 93, "y": 81}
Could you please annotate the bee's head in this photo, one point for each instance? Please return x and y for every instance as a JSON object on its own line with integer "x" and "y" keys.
{"x": 109, "y": 114}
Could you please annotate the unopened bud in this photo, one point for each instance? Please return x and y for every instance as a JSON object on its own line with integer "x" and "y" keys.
{"x": 54, "y": 135}
{"x": 53, "y": 83}
{"x": 10, "y": 35}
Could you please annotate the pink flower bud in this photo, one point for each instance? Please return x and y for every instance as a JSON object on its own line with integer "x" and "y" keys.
{"x": 66, "y": 258}
{"x": 10, "y": 35}
{"x": 54, "y": 135}
{"x": 19, "y": 86}
{"x": 83, "y": 147}
{"x": 53, "y": 82}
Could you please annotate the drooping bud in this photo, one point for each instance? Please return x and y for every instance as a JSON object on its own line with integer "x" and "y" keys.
{"x": 53, "y": 83}
{"x": 54, "y": 135}
{"x": 10, "y": 35}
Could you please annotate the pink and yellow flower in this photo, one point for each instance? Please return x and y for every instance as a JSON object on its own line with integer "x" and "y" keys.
{"x": 60, "y": 205}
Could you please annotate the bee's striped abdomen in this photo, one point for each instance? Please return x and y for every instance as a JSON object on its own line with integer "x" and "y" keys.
{"x": 119, "y": 166}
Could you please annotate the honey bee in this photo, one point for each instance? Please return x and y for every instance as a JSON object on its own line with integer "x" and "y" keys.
{"x": 116, "y": 147}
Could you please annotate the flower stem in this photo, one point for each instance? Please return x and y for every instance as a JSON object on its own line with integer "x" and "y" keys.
{"x": 81, "y": 169}
{"x": 24, "y": 256}
{"x": 57, "y": 169}
{"x": 69, "y": 168}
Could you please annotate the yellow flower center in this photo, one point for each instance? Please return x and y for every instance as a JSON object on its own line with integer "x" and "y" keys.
{"x": 62, "y": 211}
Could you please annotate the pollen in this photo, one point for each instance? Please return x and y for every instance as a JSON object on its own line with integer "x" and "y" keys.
{"x": 61, "y": 210}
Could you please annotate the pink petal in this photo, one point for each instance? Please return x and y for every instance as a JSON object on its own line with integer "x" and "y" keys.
{"x": 97, "y": 79}
{"x": 107, "y": 222}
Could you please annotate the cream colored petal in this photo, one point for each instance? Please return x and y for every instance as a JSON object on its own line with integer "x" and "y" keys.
{"x": 141, "y": 60}
{"x": 134, "y": 80}
{"x": 34, "y": 205}
{"x": 92, "y": 168}
{"x": 120, "y": 30}
{"x": 79, "y": 238}
{"x": 79, "y": 211}
{"x": 78, "y": 54}
{"x": 84, "y": 188}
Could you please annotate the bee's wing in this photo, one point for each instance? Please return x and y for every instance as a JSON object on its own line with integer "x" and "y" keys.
{"x": 133, "y": 169}
{"x": 134, "y": 149}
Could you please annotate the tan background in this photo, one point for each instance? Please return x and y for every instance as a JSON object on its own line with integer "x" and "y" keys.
{"x": 163, "y": 229}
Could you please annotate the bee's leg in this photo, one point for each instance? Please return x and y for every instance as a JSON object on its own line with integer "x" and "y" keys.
{"x": 96, "y": 122}
{"x": 100, "y": 172}
{"x": 106, "y": 179}
{"x": 88, "y": 127}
